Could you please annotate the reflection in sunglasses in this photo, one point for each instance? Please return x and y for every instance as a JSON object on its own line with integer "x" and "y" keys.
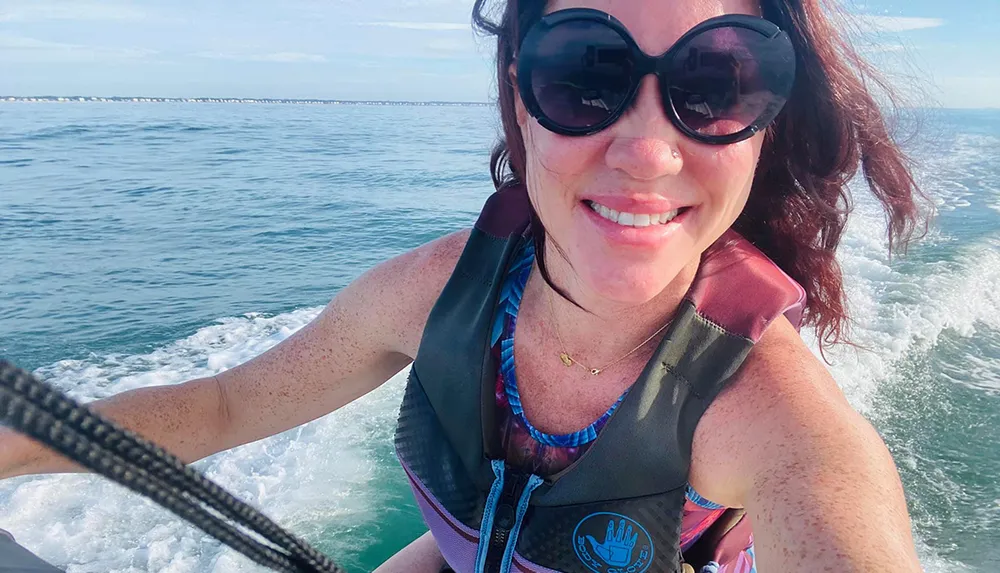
{"x": 594, "y": 100}
{"x": 571, "y": 93}
{"x": 702, "y": 108}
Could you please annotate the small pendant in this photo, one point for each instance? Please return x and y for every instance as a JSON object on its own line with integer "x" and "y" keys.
{"x": 565, "y": 359}
{"x": 595, "y": 371}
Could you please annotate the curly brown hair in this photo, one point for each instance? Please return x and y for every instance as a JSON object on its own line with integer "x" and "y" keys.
{"x": 800, "y": 201}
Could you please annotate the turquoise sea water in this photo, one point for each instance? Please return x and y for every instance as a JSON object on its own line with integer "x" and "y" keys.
{"x": 146, "y": 244}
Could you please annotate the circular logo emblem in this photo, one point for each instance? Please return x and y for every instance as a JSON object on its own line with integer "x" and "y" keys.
{"x": 612, "y": 543}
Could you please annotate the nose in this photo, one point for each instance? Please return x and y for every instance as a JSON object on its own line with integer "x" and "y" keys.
{"x": 645, "y": 144}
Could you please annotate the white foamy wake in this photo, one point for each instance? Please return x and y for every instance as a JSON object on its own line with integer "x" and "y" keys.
{"x": 304, "y": 479}
{"x": 896, "y": 313}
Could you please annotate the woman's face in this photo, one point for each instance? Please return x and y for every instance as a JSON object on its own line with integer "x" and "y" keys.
{"x": 641, "y": 165}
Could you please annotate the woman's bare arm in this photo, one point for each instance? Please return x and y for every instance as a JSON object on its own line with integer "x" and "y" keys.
{"x": 367, "y": 333}
{"x": 420, "y": 556}
{"x": 818, "y": 483}
{"x": 835, "y": 503}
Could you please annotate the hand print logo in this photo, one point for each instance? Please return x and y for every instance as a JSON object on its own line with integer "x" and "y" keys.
{"x": 617, "y": 547}
{"x": 625, "y": 546}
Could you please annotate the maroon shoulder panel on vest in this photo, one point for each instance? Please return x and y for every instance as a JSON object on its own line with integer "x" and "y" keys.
{"x": 506, "y": 211}
{"x": 733, "y": 273}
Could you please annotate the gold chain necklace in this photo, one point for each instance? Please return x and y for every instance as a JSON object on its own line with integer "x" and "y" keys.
{"x": 569, "y": 361}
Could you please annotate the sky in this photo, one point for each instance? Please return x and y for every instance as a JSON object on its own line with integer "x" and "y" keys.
{"x": 938, "y": 53}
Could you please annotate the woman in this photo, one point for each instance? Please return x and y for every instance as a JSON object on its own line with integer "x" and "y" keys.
{"x": 611, "y": 378}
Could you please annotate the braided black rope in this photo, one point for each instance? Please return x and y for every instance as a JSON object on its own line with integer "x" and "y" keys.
{"x": 42, "y": 412}
{"x": 25, "y": 417}
{"x": 166, "y": 466}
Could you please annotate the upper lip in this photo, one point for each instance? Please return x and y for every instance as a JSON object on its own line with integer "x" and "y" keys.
{"x": 638, "y": 205}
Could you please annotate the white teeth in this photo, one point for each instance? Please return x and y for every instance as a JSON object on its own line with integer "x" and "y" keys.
{"x": 633, "y": 219}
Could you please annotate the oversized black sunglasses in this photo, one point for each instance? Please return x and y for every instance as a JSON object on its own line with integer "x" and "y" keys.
{"x": 579, "y": 70}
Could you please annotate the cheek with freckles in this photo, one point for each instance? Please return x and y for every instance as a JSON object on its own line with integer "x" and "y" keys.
{"x": 555, "y": 157}
{"x": 723, "y": 175}
{"x": 559, "y": 169}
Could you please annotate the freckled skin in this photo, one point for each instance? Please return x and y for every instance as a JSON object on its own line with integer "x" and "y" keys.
{"x": 819, "y": 486}
{"x": 367, "y": 333}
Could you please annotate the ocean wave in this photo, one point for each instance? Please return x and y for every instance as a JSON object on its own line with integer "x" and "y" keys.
{"x": 58, "y": 132}
{"x": 19, "y": 162}
{"x": 316, "y": 479}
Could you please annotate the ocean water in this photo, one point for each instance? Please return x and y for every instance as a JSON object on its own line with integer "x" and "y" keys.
{"x": 145, "y": 244}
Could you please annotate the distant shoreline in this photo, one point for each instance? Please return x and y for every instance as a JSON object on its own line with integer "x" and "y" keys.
{"x": 312, "y": 101}
{"x": 125, "y": 99}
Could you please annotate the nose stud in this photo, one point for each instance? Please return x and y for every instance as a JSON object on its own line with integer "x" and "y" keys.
{"x": 675, "y": 154}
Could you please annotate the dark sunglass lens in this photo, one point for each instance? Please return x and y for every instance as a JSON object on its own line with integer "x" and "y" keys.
{"x": 726, "y": 79}
{"x": 580, "y": 73}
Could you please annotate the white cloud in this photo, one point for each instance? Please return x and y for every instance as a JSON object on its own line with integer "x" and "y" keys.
{"x": 884, "y": 48}
{"x": 449, "y": 46}
{"x": 9, "y": 42}
{"x": 39, "y": 10}
{"x": 22, "y": 49}
{"x": 278, "y": 57}
{"x": 432, "y": 26}
{"x": 897, "y": 23}
{"x": 289, "y": 57}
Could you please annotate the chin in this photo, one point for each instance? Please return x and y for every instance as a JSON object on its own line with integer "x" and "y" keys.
{"x": 628, "y": 284}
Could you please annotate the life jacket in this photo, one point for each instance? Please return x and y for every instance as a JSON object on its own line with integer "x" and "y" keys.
{"x": 618, "y": 508}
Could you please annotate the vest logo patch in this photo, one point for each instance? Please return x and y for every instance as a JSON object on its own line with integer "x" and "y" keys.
{"x": 612, "y": 543}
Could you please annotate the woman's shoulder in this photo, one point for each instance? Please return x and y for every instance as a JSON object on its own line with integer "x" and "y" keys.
{"x": 411, "y": 283}
{"x": 781, "y": 367}
{"x": 435, "y": 260}
{"x": 782, "y": 407}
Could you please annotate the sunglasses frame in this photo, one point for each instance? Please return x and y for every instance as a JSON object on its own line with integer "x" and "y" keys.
{"x": 644, "y": 65}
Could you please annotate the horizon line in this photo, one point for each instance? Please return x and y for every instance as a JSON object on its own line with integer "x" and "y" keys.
{"x": 182, "y": 99}
{"x": 289, "y": 100}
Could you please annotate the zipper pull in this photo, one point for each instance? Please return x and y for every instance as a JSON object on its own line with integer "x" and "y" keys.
{"x": 504, "y": 519}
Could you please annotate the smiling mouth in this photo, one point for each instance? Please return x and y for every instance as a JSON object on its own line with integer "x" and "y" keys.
{"x": 626, "y": 219}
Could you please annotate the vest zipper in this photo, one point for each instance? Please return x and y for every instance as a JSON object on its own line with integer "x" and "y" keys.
{"x": 504, "y": 519}
{"x": 504, "y": 513}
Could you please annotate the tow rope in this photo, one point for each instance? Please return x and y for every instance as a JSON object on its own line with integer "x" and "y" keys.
{"x": 38, "y": 410}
